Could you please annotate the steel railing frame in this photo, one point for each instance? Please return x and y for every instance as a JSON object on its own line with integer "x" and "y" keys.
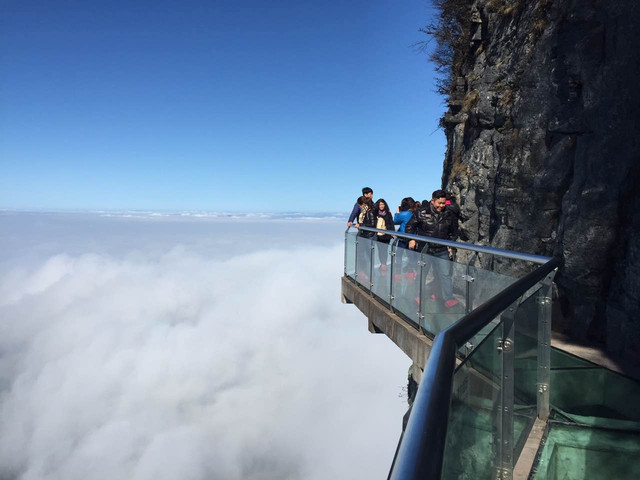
{"x": 419, "y": 319}
{"x": 421, "y": 451}
{"x": 528, "y": 257}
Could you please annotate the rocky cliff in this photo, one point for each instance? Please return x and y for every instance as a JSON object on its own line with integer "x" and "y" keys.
{"x": 543, "y": 150}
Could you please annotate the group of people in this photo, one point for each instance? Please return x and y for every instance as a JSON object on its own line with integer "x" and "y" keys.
{"x": 437, "y": 218}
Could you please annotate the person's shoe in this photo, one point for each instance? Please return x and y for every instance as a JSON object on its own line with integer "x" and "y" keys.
{"x": 397, "y": 277}
{"x": 434, "y": 297}
{"x": 417, "y": 300}
{"x": 410, "y": 276}
{"x": 450, "y": 303}
{"x": 363, "y": 277}
{"x": 383, "y": 269}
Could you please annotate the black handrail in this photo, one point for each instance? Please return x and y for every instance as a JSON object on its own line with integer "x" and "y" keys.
{"x": 421, "y": 450}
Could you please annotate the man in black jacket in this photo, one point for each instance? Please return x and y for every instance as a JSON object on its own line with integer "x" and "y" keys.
{"x": 436, "y": 221}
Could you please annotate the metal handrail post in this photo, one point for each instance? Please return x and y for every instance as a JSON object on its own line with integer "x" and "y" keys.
{"x": 544, "y": 347}
{"x": 504, "y": 461}
{"x": 423, "y": 279}
{"x": 373, "y": 246}
{"x": 346, "y": 238}
{"x": 355, "y": 275}
{"x": 393, "y": 245}
{"x": 469, "y": 279}
{"x": 468, "y": 301}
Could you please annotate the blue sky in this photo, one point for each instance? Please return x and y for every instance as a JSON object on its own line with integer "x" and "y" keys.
{"x": 218, "y": 105}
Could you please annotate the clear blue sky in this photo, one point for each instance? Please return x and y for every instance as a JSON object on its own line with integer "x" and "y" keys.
{"x": 215, "y": 105}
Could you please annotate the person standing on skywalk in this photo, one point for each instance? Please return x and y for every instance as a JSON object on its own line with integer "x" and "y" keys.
{"x": 355, "y": 212}
{"x": 434, "y": 220}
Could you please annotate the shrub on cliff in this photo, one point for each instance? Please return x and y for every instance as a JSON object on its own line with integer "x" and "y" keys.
{"x": 450, "y": 30}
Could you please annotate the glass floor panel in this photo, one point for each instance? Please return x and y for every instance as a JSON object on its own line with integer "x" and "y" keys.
{"x": 577, "y": 452}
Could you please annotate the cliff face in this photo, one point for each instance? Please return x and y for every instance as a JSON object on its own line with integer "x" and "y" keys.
{"x": 543, "y": 151}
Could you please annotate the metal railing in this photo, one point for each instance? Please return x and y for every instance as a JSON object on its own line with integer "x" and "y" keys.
{"x": 527, "y": 257}
{"x": 419, "y": 309}
{"x": 421, "y": 450}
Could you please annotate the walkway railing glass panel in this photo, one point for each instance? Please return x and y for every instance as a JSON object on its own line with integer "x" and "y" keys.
{"x": 430, "y": 292}
{"x": 528, "y": 346}
{"x": 475, "y": 410}
{"x": 494, "y": 395}
{"x": 406, "y": 283}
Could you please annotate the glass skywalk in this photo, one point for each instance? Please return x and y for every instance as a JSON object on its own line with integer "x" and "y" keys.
{"x": 408, "y": 281}
{"x": 494, "y": 339}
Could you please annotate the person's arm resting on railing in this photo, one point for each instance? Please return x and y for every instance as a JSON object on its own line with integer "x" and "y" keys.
{"x": 354, "y": 214}
{"x": 411, "y": 228}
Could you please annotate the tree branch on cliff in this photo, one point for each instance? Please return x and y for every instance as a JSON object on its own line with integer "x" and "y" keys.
{"x": 450, "y": 29}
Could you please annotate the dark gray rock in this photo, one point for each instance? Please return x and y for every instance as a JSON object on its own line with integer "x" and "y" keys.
{"x": 543, "y": 155}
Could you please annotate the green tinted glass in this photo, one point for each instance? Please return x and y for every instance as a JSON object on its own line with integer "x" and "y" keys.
{"x": 406, "y": 283}
{"x": 579, "y": 387}
{"x": 381, "y": 270}
{"x": 525, "y": 368}
{"x": 363, "y": 262}
{"x": 483, "y": 285}
{"x": 475, "y": 410}
{"x": 583, "y": 453}
{"x": 443, "y": 292}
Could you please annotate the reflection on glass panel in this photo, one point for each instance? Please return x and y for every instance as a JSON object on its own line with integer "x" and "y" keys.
{"x": 485, "y": 285}
{"x": 443, "y": 292}
{"x": 406, "y": 282}
{"x": 382, "y": 270}
{"x": 350, "y": 254}
{"x": 595, "y": 395}
{"x": 621, "y": 396}
{"x": 475, "y": 410}
{"x": 525, "y": 368}
{"x": 363, "y": 262}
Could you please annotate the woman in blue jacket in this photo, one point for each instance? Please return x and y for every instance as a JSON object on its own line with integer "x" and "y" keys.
{"x": 405, "y": 212}
{"x": 405, "y": 269}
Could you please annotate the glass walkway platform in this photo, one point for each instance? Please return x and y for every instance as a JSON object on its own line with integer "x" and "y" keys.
{"x": 492, "y": 372}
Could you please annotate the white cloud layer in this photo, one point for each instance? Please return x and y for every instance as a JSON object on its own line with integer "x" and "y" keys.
{"x": 175, "y": 363}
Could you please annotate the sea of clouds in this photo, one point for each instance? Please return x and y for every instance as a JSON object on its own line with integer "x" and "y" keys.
{"x": 188, "y": 347}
